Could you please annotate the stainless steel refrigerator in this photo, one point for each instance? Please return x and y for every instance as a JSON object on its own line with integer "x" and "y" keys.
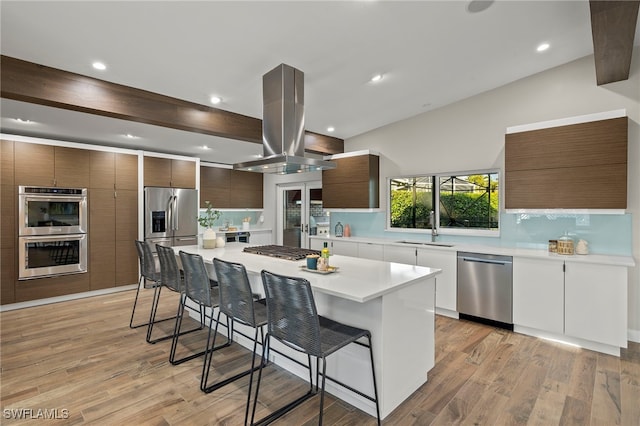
{"x": 170, "y": 216}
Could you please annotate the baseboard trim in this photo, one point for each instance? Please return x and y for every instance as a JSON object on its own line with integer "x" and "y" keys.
{"x": 65, "y": 298}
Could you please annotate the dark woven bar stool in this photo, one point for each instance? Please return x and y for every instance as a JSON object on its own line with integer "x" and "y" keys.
{"x": 294, "y": 321}
{"x": 198, "y": 289}
{"x": 148, "y": 272}
{"x": 238, "y": 304}
{"x": 172, "y": 279}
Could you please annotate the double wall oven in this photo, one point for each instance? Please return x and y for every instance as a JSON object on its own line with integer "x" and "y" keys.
{"x": 52, "y": 231}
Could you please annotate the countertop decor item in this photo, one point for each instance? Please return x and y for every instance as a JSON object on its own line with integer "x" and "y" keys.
{"x": 328, "y": 270}
{"x": 582, "y": 247}
{"x": 339, "y": 230}
{"x": 347, "y": 230}
{"x": 206, "y": 220}
{"x": 565, "y": 244}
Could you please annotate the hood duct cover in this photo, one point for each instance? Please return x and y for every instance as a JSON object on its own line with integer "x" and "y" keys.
{"x": 283, "y": 126}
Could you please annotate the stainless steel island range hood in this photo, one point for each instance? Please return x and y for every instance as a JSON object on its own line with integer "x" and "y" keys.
{"x": 283, "y": 126}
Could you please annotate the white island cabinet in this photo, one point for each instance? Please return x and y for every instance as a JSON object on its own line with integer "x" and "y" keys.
{"x": 395, "y": 302}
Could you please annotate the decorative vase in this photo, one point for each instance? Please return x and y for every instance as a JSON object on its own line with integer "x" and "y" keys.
{"x": 220, "y": 242}
{"x": 209, "y": 239}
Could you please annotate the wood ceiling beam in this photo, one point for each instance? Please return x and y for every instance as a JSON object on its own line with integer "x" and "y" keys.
{"x": 613, "y": 27}
{"x": 29, "y": 82}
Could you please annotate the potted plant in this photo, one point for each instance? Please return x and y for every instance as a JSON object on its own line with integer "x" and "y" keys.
{"x": 207, "y": 220}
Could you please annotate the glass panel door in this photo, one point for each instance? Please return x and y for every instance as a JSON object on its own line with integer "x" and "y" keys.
{"x": 297, "y": 204}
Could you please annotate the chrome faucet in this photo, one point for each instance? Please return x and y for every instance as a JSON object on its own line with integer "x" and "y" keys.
{"x": 434, "y": 231}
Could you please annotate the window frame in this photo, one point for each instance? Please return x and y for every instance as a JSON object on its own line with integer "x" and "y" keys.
{"x": 436, "y": 180}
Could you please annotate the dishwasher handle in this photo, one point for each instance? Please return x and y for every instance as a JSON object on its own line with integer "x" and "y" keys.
{"x": 480, "y": 260}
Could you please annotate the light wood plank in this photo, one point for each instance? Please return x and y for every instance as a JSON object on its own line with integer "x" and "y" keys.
{"x": 82, "y": 356}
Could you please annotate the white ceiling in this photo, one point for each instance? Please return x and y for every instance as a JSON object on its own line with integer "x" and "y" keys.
{"x": 432, "y": 53}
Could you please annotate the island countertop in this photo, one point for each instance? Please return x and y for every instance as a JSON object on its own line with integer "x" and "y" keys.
{"x": 360, "y": 280}
{"x": 394, "y": 301}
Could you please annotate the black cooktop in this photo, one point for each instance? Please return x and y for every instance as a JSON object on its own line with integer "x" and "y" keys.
{"x": 281, "y": 252}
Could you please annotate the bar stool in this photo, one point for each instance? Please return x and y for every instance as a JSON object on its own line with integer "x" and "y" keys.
{"x": 172, "y": 279}
{"x": 198, "y": 289}
{"x": 294, "y": 321}
{"x": 238, "y": 304}
{"x": 148, "y": 272}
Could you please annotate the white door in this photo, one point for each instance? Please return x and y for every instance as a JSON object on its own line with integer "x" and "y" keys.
{"x": 297, "y": 203}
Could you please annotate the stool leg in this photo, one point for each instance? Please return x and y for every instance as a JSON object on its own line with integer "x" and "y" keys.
{"x": 176, "y": 331}
{"x": 373, "y": 373}
{"x": 262, "y": 363}
{"x": 135, "y": 302}
{"x": 253, "y": 367}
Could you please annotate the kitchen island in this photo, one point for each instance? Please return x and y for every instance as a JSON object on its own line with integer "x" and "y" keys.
{"x": 396, "y": 302}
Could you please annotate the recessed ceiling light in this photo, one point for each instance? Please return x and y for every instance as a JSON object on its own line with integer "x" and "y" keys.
{"x": 205, "y": 147}
{"x": 99, "y": 66}
{"x": 376, "y": 78}
{"x": 216, "y": 100}
{"x": 258, "y": 155}
{"x": 331, "y": 129}
{"x": 23, "y": 121}
{"x": 476, "y": 6}
{"x": 542, "y": 47}
{"x": 130, "y": 136}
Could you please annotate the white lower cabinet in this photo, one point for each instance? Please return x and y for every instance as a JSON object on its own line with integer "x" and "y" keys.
{"x": 446, "y": 284}
{"x": 317, "y": 244}
{"x": 344, "y": 248}
{"x": 371, "y": 251}
{"x": 581, "y": 300}
{"x": 262, "y": 238}
{"x": 596, "y": 303}
{"x": 400, "y": 254}
{"x": 538, "y": 294}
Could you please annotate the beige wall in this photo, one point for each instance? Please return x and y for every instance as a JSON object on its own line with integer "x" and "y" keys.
{"x": 469, "y": 134}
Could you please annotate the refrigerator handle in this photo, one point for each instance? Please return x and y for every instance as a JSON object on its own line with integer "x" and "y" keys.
{"x": 175, "y": 212}
{"x": 170, "y": 212}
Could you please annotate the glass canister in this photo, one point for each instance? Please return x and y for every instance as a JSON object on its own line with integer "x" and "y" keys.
{"x": 339, "y": 230}
{"x": 565, "y": 245}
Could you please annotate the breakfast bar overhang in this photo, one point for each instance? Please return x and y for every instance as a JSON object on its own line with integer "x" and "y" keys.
{"x": 396, "y": 302}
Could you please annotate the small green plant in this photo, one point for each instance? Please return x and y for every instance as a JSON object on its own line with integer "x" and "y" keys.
{"x": 210, "y": 216}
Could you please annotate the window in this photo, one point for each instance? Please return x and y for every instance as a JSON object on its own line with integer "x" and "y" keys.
{"x": 466, "y": 202}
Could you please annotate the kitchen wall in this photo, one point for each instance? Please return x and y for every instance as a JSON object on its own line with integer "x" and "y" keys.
{"x": 469, "y": 135}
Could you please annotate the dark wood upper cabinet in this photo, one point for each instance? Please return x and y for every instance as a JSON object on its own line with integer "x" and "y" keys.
{"x": 166, "y": 172}
{"x": 46, "y": 165}
{"x": 577, "y": 166}
{"x": 228, "y": 188}
{"x": 354, "y": 183}
{"x": 34, "y": 164}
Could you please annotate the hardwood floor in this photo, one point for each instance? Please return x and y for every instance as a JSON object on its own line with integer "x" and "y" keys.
{"x": 79, "y": 361}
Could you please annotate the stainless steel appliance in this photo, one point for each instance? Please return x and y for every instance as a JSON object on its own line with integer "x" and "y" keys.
{"x": 485, "y": 287}
{"x": 52, "y": 231}
{"x": 281, "y": 252}
{"x": 45, "y": 211}
{"x": 321, "y": 225}
{"x": 170, "y": 216}
{"x": 237, "y": 237}
{"x": 46, "y": 256}
{"x": 283, "y": 126}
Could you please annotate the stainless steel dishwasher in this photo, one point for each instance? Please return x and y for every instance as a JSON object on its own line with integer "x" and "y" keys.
{"x": 485, "y": 287}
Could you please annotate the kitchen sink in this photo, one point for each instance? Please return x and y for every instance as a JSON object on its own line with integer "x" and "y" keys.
{"x": 425, "y": 243}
